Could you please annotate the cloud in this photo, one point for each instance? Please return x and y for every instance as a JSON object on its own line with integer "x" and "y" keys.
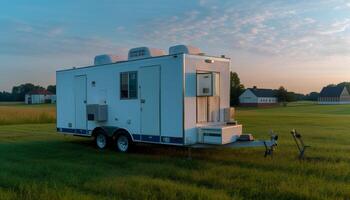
{"x": 255, "y": 31}
{"x": 120, "y": 28}
{"x": 267, "y": 28}
{"x": 342, "y": 6}
{"x": 25, "y": 39}
{"x": 21, "y": 27}
{"x": 260, "y": 27}
{"x": 337, "y": 27}
{"x": 309, "y": 20}
{"x": 56, "y": 31}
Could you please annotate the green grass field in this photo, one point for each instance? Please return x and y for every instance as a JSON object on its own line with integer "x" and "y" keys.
{"x": 37, "y": 163}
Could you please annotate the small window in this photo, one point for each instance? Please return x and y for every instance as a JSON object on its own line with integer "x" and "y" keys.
{"x": 128, "y": 85}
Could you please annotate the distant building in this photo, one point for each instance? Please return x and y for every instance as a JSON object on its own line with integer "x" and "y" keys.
{"x": 334, "y": 95}
{"x": 39, "y": 97}
{"x": 258, "y": 97}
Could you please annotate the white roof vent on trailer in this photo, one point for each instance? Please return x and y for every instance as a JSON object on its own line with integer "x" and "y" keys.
{"x": 144, "y": 52}
{"x": 106, "y": 59}
{"x": 184, "y": 49}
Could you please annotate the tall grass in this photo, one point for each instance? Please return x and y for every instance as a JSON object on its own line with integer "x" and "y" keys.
{"x": 27, "y": 114}
{"x": 37, "y": 163}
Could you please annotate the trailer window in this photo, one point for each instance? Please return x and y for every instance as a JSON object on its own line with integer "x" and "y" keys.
{"x": 128, "y": 85}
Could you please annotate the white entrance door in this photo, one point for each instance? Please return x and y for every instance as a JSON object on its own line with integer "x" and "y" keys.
{"x": 149, "y": 85}
{"x": 80, "y": 102}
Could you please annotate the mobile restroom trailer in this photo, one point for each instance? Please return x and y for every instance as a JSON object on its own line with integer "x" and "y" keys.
{"x": 180, "y": 98}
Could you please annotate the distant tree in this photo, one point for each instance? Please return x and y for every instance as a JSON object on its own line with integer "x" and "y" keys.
{"x": 299, "y": 97}
{"x": 291, "y": 96}
{"x": 6, "y": 96}
{"x": 18, "y": 92}
{"x": 51, "y": 88}
{"x": 236, "y": 88}
{"x": 312, "y": 96}
{"x": 346, "y": 84}
{"x": 282, "y": 95}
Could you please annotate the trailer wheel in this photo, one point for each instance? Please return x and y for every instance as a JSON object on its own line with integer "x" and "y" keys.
{"x": 123, "y": 142}
{"x": 101, "y": 139}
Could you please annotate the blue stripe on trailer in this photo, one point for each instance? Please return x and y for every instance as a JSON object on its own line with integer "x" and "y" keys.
{"x": 150, "y": 138}
{"x": 163, "y": 139}
{"x": 172, "y": 140}
{"x": 136, "y": 136}
{"x": 70, "y": 130}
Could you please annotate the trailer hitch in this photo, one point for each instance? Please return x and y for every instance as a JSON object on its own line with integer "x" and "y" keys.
{"x": 300, "y": 143}
{"x": 270, "y": 145}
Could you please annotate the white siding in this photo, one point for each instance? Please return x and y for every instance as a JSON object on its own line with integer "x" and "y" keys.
{"x": 345, "y": 96}
{"x": 248, "y": 97}
{"x": 192, "y": 65}
{"x": 267, "y": 100}
{"x": 124, "y": 113}
{"x": 343, "y": 99}
{"x": 37, "y": 98}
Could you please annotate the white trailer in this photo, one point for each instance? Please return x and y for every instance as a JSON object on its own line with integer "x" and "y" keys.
{"x": 180, "y": 98}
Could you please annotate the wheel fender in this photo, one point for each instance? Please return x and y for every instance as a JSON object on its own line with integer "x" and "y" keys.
{"x": 113, "y": 131}
{"x": 122, "y": 131}
{"x": 93, "y": 134}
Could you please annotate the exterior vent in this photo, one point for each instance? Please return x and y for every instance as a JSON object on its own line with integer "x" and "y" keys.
{"x": 144, "y": 52}
{"x": 106, "y": 59}
{"x": 179, "y": 49}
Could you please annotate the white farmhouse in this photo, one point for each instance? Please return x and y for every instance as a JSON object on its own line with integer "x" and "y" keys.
{"x": 258, "y": 97}
{"x": 39, "y": 97}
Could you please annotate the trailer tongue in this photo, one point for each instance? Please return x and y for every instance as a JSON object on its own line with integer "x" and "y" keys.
{"x": 269, "y": 145}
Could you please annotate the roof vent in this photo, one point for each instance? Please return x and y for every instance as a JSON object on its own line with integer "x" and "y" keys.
{"x": 106, "y": 59}
{"x": 144, "y": 52}
{"x": 186, "y": 49}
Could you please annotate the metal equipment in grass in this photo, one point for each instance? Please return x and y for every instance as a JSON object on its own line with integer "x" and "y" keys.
{"x": 300, "y": 143}
{"x": 269, "y": 149}
{"x": 269, "y": 145}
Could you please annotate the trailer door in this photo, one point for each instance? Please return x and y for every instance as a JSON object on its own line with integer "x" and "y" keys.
{"x": 80, "y": 102}
{"x": 149, "y": 85}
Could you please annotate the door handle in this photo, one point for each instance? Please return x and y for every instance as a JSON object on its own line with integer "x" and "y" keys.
{"x": 142, "y": 100}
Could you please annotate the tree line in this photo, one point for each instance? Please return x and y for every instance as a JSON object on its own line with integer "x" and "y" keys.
{"x": 18, "y": 92}
{"x": 236, "y": 89}
{"x": 282, "y": 94}
{"x": 346, "y": 84}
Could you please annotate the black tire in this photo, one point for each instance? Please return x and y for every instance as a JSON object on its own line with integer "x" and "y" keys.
{"x": 101, "y": 139}
{"x": 123, "y": 142}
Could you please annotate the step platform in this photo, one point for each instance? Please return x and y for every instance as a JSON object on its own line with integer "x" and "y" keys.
{"x": 219, "y": 134}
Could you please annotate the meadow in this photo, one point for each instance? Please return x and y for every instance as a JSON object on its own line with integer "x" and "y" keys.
{"x": 19, "y": 113}
{"x": 37, "y": 163}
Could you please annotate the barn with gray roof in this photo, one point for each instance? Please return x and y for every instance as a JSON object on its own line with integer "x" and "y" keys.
{"x": 334, "y": 95}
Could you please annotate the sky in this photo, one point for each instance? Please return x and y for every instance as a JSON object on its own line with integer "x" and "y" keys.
{"x": 302, "y": 45}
